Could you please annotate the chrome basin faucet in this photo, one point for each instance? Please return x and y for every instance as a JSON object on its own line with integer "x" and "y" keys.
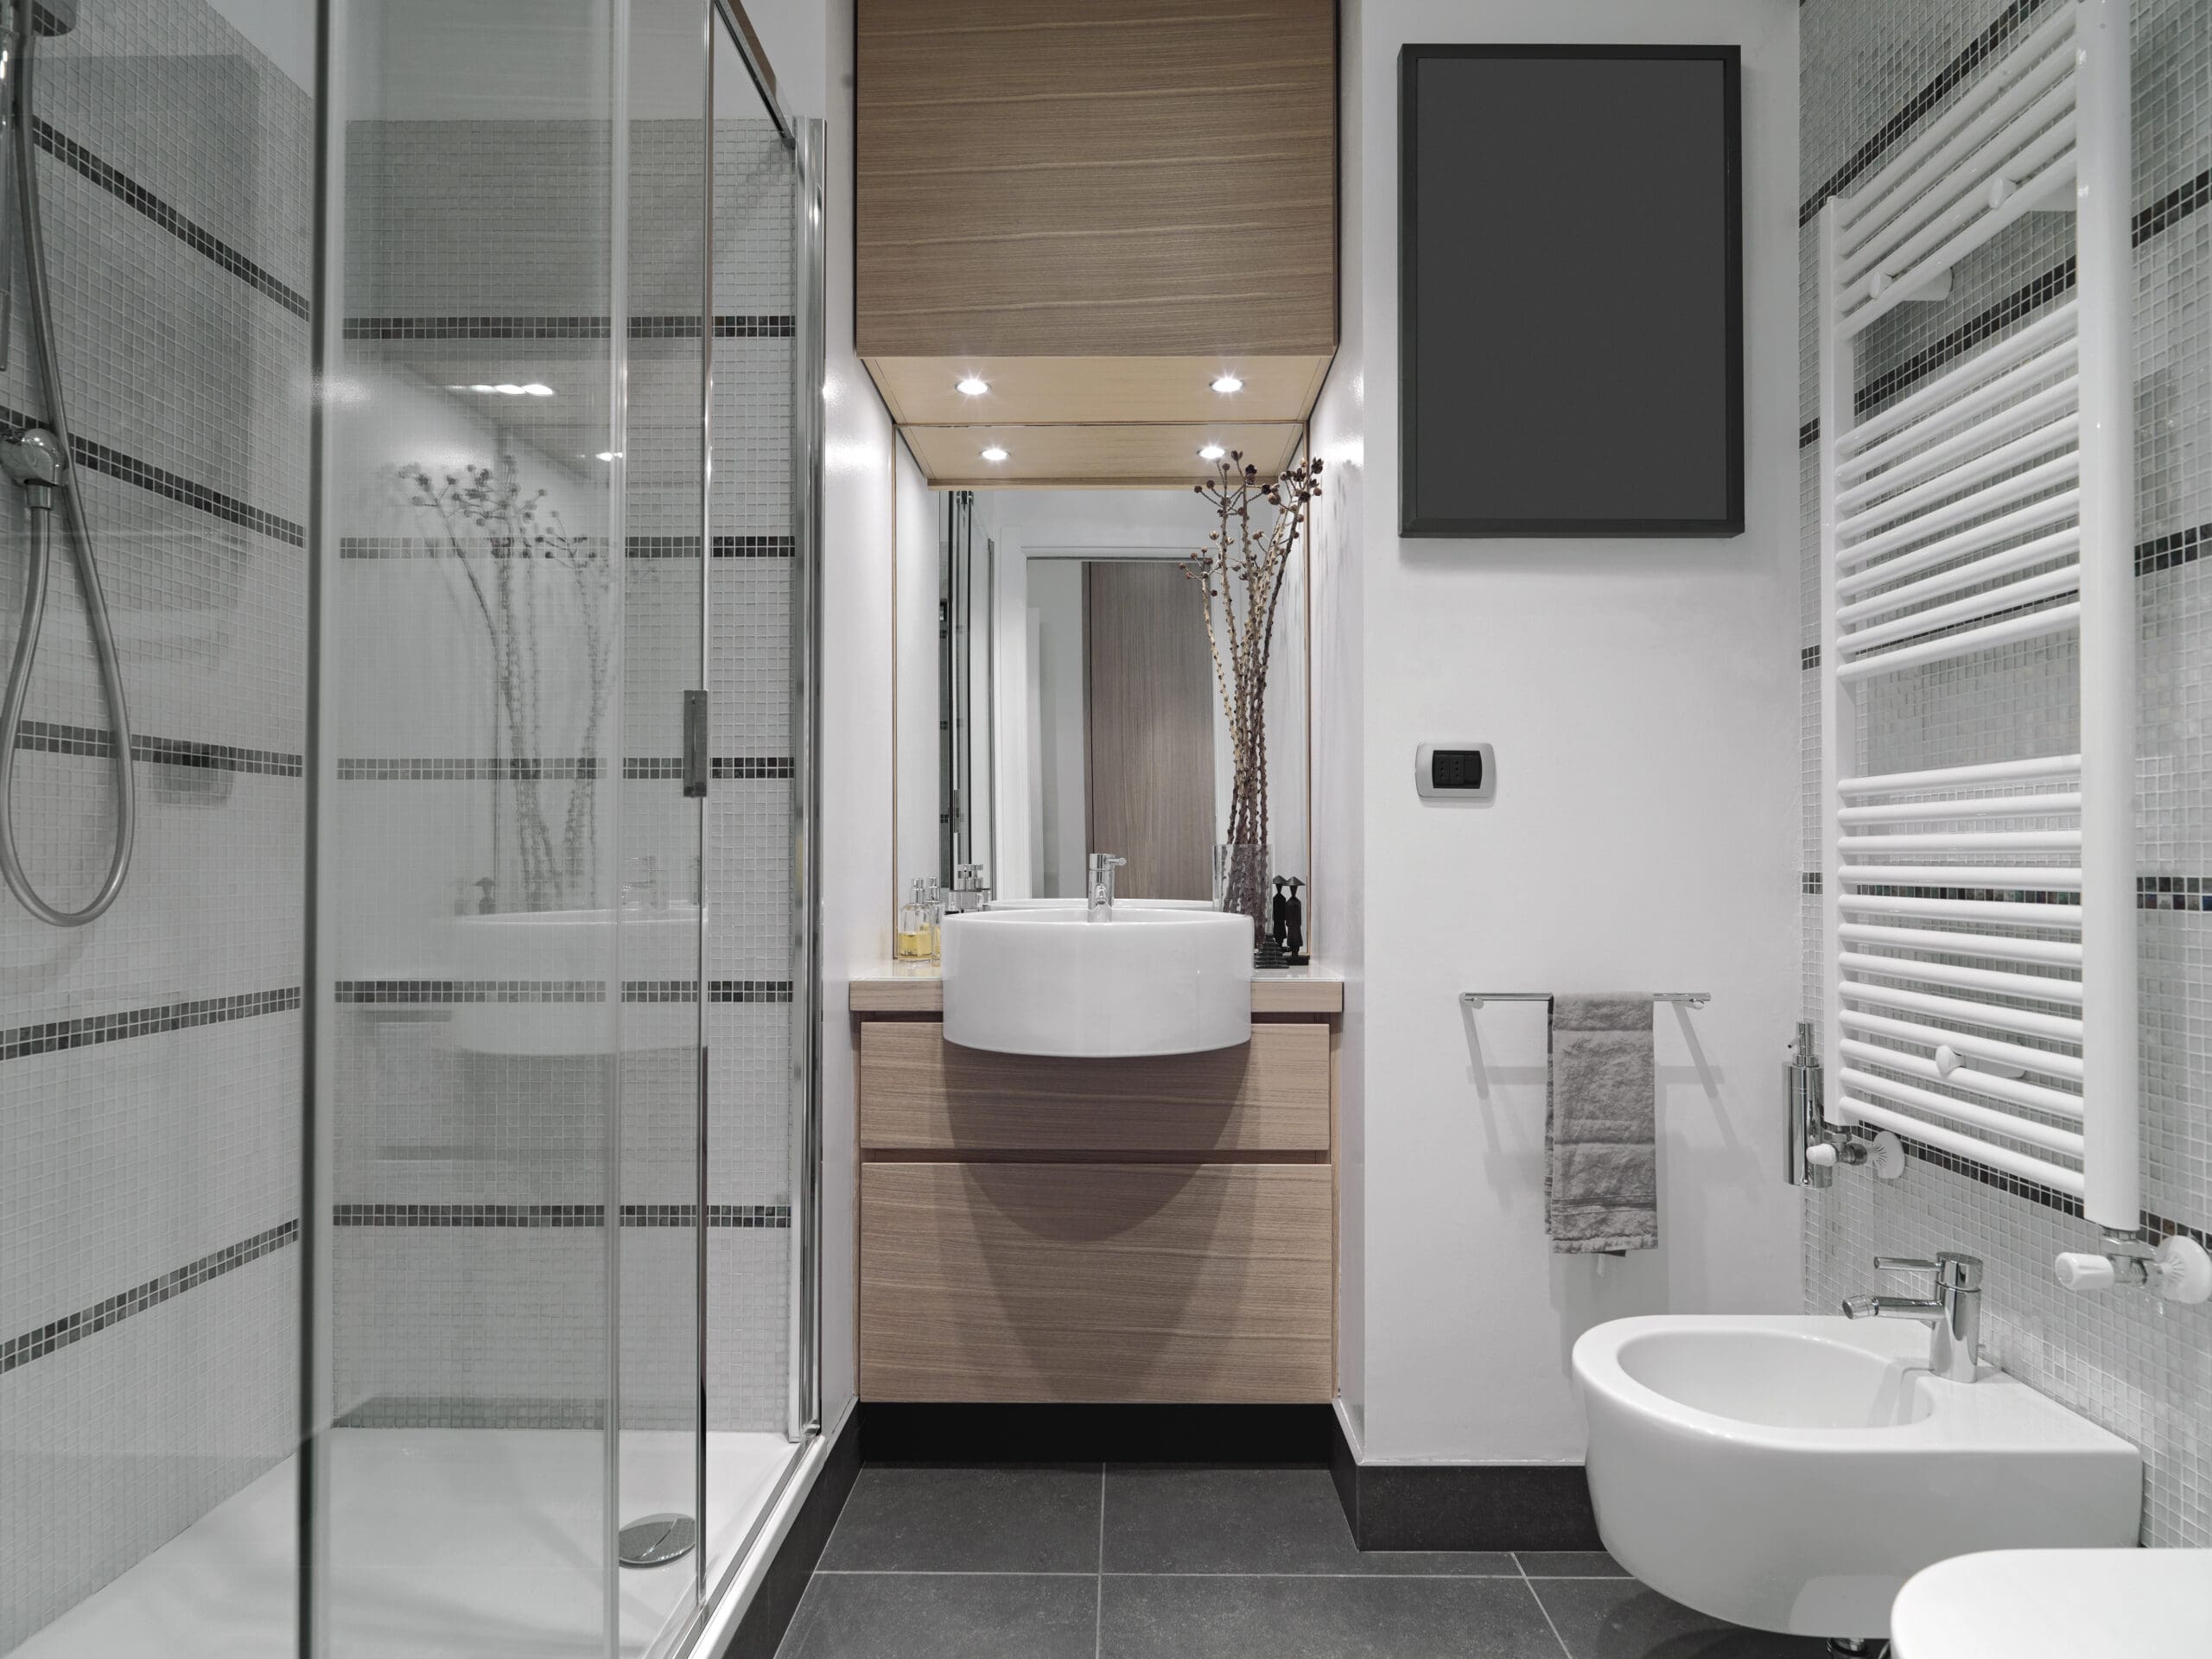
{"x": 1099, "y": 888}
{"x": 1953, "y": 1314}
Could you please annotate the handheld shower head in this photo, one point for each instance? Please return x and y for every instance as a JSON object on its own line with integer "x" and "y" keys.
{"x": 33, "y": 456}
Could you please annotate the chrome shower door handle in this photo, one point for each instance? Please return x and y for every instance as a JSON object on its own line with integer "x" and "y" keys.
{"x": 696, "y": 765}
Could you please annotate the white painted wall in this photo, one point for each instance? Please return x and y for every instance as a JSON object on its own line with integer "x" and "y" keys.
{"x": 1642, "y": 695}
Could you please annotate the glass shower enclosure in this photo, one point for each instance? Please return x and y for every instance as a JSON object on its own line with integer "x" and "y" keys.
{"x": 454, "y": 1296}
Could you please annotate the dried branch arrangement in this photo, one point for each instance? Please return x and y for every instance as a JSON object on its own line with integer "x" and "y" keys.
{"x": 494, "y": 530}
{"x": 1240, "y": 575}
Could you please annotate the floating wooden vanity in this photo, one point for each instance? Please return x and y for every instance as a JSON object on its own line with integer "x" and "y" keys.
{"x": 1156, "y": 1230}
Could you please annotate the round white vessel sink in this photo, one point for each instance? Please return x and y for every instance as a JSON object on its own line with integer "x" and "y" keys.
{"x": 1134, "y": 979}
{"x": 2086, "y": 1603}
{"x": 1791, "y": 1472}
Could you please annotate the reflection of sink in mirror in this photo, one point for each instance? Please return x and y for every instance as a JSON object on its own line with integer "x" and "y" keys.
{"x": 1134, "y": 979}
{"x": 1119, "y": 904}
{"x": 552, "y": 968}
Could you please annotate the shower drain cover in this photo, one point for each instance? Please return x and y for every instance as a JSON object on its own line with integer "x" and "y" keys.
{"x": 657, "y": 1539}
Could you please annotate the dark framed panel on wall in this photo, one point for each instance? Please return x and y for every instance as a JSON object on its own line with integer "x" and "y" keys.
{"x": 1570, "y": 292}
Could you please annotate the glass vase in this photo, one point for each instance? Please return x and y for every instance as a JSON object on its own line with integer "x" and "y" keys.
{"x": 1240, "y": 884}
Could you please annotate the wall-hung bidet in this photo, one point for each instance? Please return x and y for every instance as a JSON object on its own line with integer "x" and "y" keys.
{"x": 1790, "y": 1472}
{"x": 38, "y": 461}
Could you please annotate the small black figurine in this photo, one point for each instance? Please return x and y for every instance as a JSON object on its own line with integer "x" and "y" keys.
{"x": 1279, "y": 917}
{"x": 1294, "y": 927}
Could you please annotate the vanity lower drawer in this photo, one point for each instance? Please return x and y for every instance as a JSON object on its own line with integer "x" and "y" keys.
{"x": 919, "y": 1093}
{"x": 1099, "y": 1283}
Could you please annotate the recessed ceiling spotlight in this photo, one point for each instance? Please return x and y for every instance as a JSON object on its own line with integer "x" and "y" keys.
{"x": 1228, "y": 383}
{"x": 610, "y": 455}
{"x": 1212, "y": 452}
{"x": 992, "y": 452}
{"x": 538, "y": 389}
{"x": 974, "y": 385}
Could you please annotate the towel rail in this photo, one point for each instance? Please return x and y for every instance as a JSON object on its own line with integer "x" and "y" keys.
{"x": 1476, "y": 998}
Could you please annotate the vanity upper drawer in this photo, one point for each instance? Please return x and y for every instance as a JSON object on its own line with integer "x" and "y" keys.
{"x": 919, "y": 1093}
{"x": 1097, "y": 1282}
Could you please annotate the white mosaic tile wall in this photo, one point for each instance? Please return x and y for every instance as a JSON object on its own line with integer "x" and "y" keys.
{"x": 150, "y": 1152}
{"x": 2141, "y": 1367}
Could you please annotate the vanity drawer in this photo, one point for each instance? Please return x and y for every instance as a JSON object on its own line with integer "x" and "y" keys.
{"x": 1097, "y": 1282}
{"x": 919, "y": 1093}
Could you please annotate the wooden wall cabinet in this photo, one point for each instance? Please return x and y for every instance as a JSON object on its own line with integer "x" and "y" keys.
{"x": 1097, "y": 207}
{"x": 1144, "y": 1230}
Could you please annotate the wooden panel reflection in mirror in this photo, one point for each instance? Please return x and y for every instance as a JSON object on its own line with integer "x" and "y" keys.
{"x": 1148, "y": 706}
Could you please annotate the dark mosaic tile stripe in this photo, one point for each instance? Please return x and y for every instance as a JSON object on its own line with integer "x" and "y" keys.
{"x": 727, "y": 326}
{"x": 2156, "y": 1227}
{"x": 115, "y": 463}
{"x": 1810, "y": 881}
{"x": 2175, "y": 206}
{"x": 414, "y": 547}
{"x": 752, "y": 765}
{"x": 745, "y": 1216}
{"x": 1975, "y": 895}
{"x": 648, "y": 768}
{"x": 748, "y": 990}
{"x": 753, "y": 547}
{"x": 48, "y": 737}
{"x": 2190, "y": 892}
{"x": 124, "y": 189}
{"x": 635, "y": 546}
{"x": 1809, "y": 657}
{"x": 2176, "y": 548}
{"x": 460, "y": 769}
{"x": 472, "y": 1411}
{"x": 1809, "y": 433}
{"x": 61, "y": 1333}
{"x": 18, "y": 1042}
{"x": 1869, "y": 154}
{"x": 660, "y": 990}
{"x": 438, "y": 993}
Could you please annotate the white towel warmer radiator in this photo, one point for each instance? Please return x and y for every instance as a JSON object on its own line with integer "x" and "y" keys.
{"x": 1993, "y": 505}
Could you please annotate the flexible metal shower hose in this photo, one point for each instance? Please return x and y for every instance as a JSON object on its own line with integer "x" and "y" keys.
{"x": 36, "y": 581}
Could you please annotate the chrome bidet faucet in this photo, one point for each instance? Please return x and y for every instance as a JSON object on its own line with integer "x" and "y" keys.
{"x": 1953, "y": 1314}
{"x": 1099, "y": 889}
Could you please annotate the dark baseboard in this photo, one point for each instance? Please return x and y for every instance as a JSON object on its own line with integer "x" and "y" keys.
{"x": 1462, "y": 1505}
{"x": 892, "y": 1432}
{"x": 760, "y": 1629}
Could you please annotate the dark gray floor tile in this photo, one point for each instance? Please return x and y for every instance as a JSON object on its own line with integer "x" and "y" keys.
{"x": 916, "y": 1519}
{"x": 944, "y": 1616}
{"x": 1569, "y": 1564}
{"x": 1161, "y": 1519}
{"x": 1223, "y": 1617}
{"x": 1619, "y": 1619}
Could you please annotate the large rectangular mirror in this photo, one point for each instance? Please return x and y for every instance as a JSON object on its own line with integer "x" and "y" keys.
{"x": 1061, "y": 693}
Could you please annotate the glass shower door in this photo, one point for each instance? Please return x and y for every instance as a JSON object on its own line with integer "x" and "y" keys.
{"x": 507, "y": 918}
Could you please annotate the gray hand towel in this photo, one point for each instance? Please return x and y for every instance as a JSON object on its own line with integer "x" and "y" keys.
{"x": 1601, "y": 1190}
